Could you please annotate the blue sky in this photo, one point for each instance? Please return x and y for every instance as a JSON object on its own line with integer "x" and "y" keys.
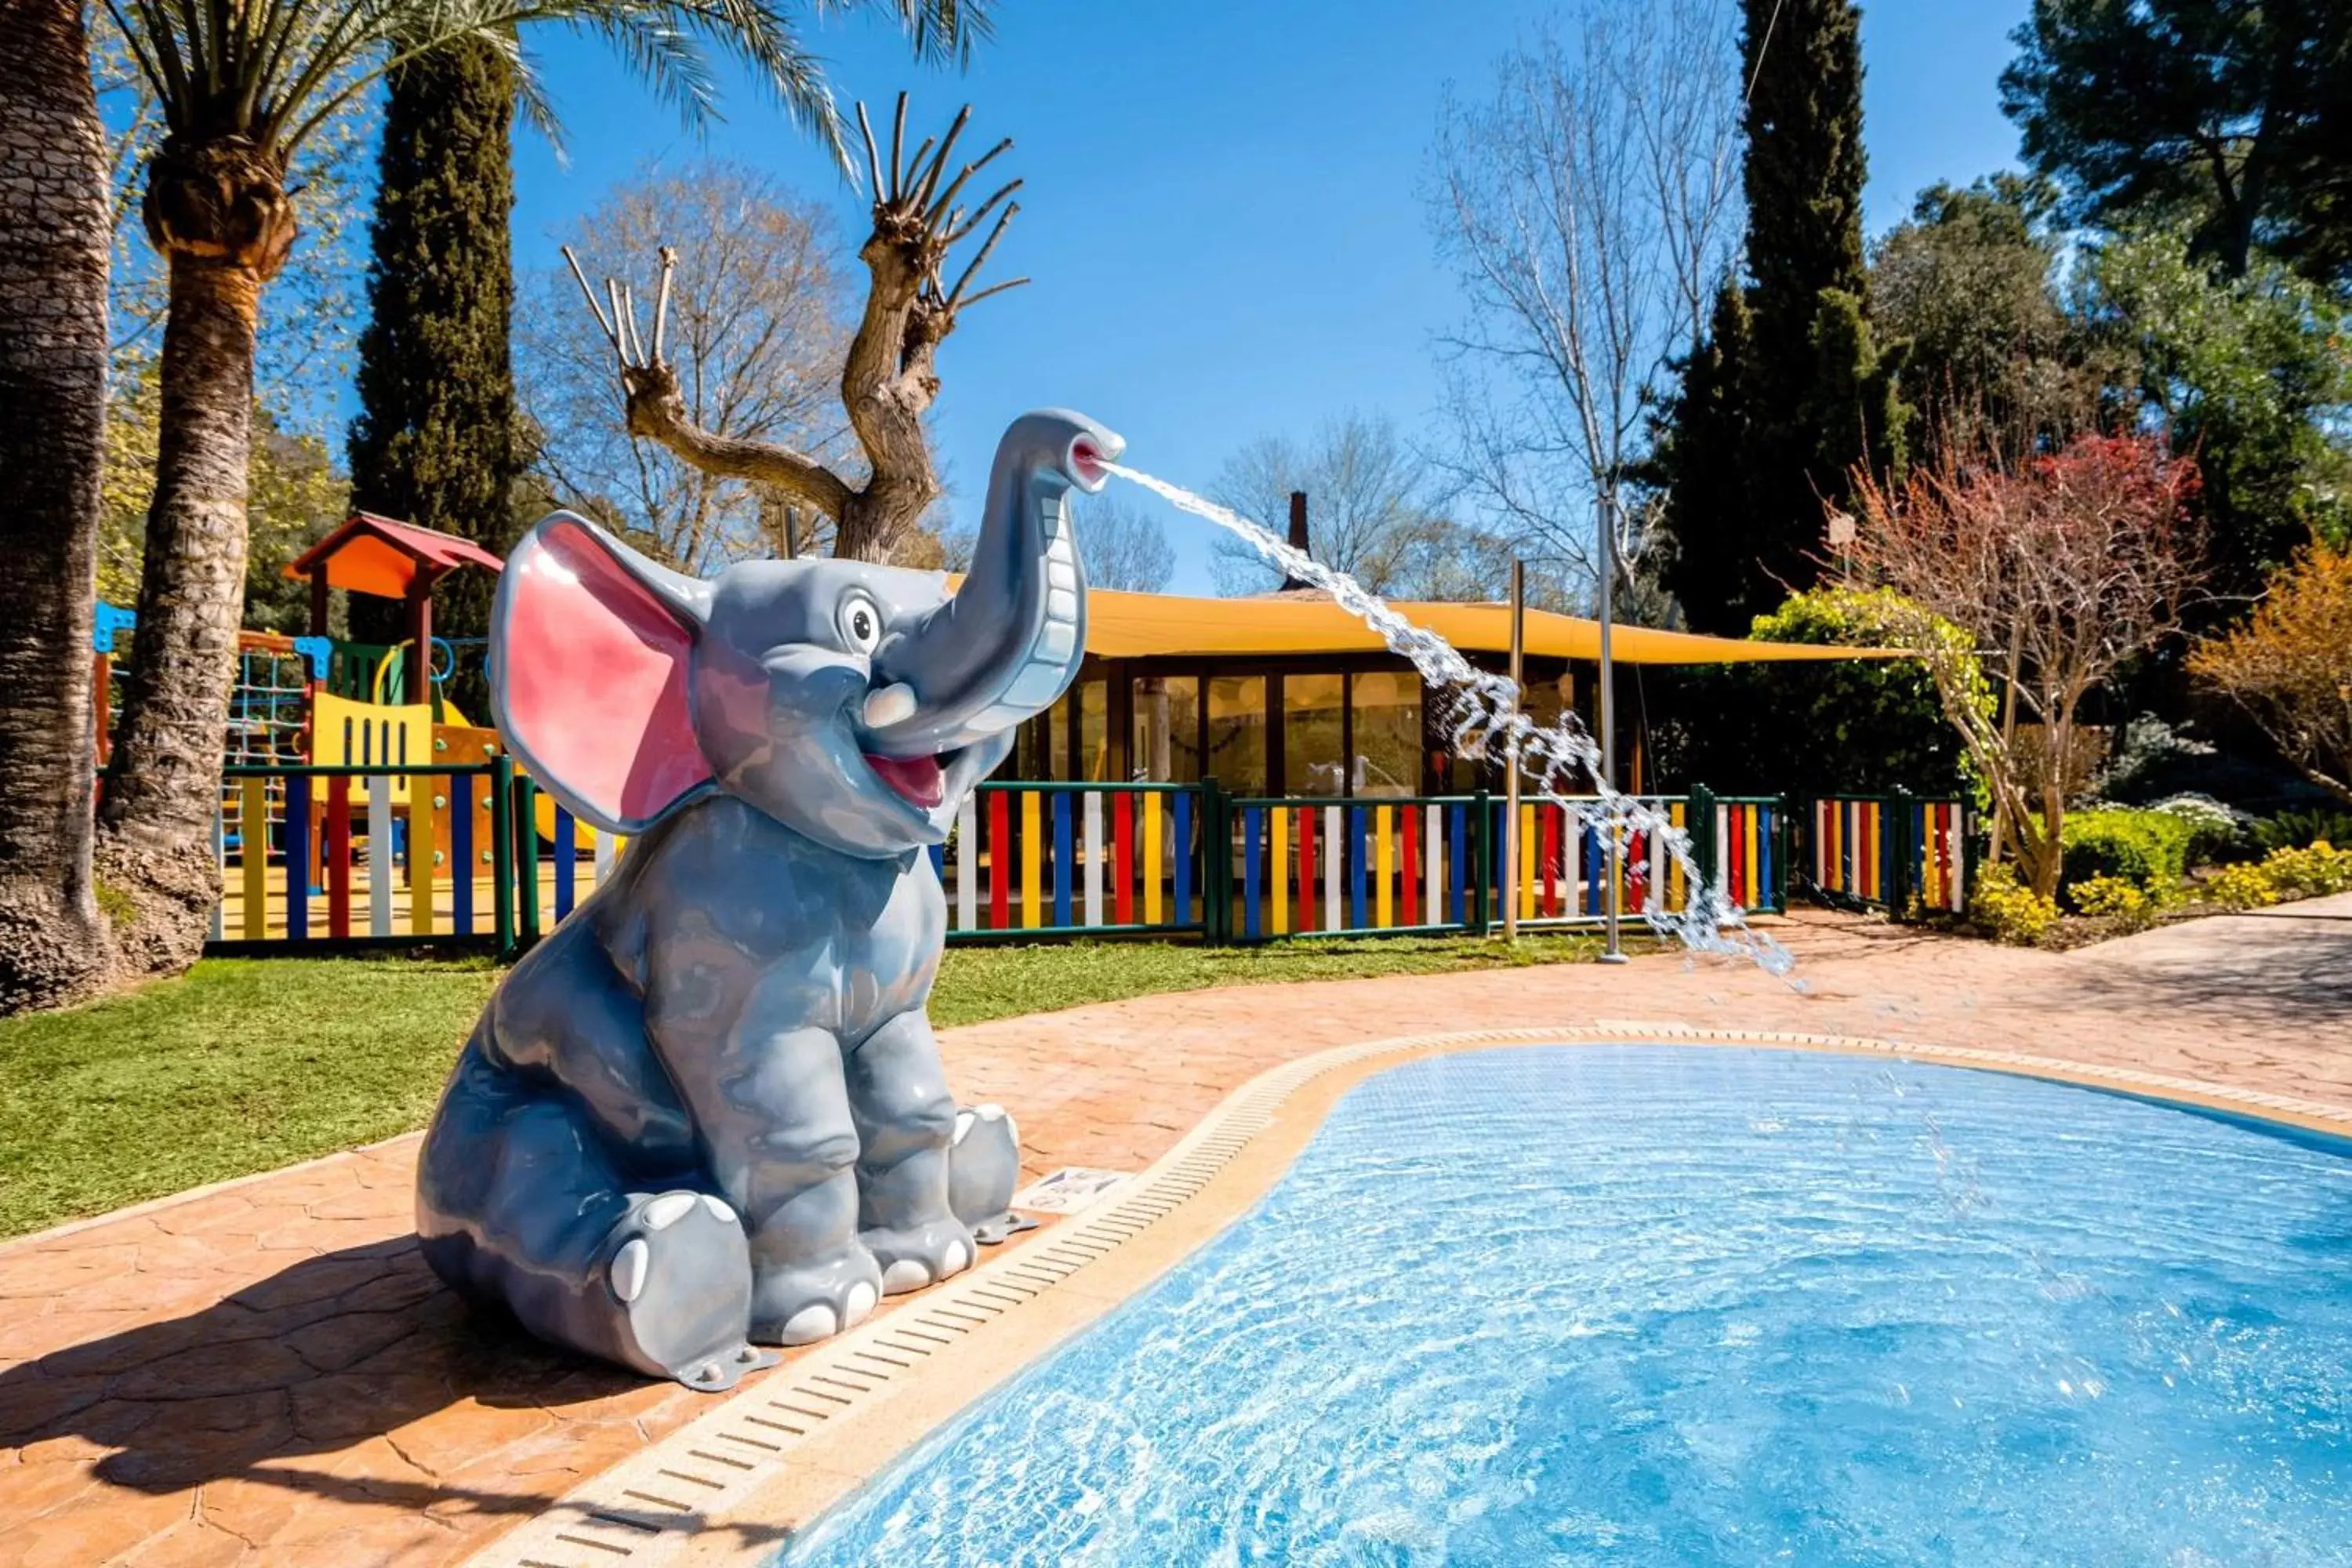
{"x": 1222, "y": 209}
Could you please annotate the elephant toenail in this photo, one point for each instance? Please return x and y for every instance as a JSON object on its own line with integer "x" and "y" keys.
{"x": 629, "y": 1267}
{"x": 667, "y": 1210}
{"x": 718, "y": 1209}
{"x": 861, "y": 1300}
{"x": 905, "y": 1275}
{"x": 809, "y": 1325}
{"x": 955, "y": 1261}
{"x": 963, "y": 1124}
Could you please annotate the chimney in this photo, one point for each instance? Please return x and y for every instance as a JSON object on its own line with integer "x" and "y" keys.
{"x": 1297, "y": 535}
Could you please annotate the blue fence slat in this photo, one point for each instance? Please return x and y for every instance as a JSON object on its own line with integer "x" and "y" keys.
{"x": 939, "y": 861}
{"x": 1761, "y": 894}
{"x": 1251, "y": 827}
{"x": 1182, "y": 912}
{"x": 461, "y": 854}
{"x": 1063, "y": 861}
{"x": 1358, "y": 843}
{"x": 297, "y": 844}
{"x": 1457, "y": 861}
{"x": 567, "y": 858}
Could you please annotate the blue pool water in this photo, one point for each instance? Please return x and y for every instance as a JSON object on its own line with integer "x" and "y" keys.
{"x": 1674, "y": 1306}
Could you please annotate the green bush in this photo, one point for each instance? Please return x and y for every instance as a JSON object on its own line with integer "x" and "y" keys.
{"x": 2148, "y": 849}
{"x": 2294, "y": 830}
{"x": 2130, "y": 906}
{"x": 2315, "y": 870}
{"x": 2218, "y": 833}
{"x": 2008, "y": 910}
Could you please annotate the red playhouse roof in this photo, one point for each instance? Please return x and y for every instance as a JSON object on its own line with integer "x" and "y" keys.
{"x": 371, "y": 554}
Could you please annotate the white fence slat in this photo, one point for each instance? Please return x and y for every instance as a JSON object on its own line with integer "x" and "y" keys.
{"x": 1332, "y": 854}
{"x": 967, "y": 864}
{"x": 1094, "y": 858}
{"x": 380, "y": 860}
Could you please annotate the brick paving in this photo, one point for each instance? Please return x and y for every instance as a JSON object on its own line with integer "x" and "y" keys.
{"x": 268, "y": 1374}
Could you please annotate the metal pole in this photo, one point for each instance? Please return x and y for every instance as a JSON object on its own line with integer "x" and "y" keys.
{"x": 1511, "y": 755}
{"x": 1611, "y": 952}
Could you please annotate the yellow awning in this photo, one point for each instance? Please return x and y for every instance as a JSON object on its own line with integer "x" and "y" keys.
{"x": 1153, "y": 625}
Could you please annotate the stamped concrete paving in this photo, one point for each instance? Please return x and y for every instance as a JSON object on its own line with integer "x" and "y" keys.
{"x": 268, "y": 1374}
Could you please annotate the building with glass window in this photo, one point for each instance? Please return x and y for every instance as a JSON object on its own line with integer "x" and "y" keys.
{"x": 1287, "y": 694}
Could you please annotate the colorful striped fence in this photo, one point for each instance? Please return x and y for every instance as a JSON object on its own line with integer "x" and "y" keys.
{"x": 1889, "y": 851}
{"x": 1436, "y": 863}
{"x": 1053, "y": 859}
{"x": 320, "y": 857}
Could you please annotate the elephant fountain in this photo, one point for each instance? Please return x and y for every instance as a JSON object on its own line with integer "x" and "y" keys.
{"x": 708, "y": 1113}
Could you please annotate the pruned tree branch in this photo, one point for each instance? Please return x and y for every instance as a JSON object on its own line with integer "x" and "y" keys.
{"x": 889, "y": 379}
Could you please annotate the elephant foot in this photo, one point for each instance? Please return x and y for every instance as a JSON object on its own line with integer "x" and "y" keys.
{"x": 983, "y": 1163}
{"x": 799, "y": 1304}
{"x": 920, "y": 1255}
{"x": 679, "y": 1269}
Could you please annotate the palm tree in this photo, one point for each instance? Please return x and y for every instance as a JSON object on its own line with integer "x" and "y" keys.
{"x": 242, "y": 83}
{"x": 54, "y": 234}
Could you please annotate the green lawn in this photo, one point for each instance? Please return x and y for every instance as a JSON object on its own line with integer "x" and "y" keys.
{"x": 249, "y": 1063}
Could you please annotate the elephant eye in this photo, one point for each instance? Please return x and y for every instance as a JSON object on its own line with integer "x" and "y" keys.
{"x": 860, "y": 619}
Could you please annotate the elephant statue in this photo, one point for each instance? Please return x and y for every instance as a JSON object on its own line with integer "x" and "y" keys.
{"x": 707, "y": 1112}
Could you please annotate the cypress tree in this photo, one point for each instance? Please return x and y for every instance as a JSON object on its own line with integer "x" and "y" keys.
{"x": 435, "y": 441}
{"x": 1805, "y": 395}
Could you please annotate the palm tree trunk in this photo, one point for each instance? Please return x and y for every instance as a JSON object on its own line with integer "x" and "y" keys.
{"x": 54, "y": 946}
{"x": 155, "y": 840}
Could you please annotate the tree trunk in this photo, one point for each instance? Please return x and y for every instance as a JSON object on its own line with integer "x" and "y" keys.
{"x": 155, "y": 844}
{"x": 54, "y": 945}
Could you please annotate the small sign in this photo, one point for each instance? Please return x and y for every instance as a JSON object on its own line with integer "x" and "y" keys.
{"x": 1841, "y": 529}
{"x": 1070, "y": 1189}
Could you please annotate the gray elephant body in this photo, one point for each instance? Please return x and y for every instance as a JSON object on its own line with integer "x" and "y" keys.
{"x": 707, "y": 1112}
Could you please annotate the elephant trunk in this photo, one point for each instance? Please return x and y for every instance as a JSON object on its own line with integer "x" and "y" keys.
{"x": 1010, "y": 641}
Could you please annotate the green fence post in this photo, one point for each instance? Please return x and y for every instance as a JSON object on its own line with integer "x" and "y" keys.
{"x": 1901, "y": 852}
{"x": 502, "y": 776}
{"x": 1784, "y": 829}
{"x": 526, "y": 861}
{"x": 1482, "y": 868}
{"x": 1702, "y": 835}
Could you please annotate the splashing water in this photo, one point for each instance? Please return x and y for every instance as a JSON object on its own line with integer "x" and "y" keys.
{"x": 1486, "y": 714}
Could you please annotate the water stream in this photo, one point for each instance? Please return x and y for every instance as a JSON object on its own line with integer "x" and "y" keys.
{"x": 1487, "y": 721}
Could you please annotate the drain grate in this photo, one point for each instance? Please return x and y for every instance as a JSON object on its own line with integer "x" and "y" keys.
{"x": 644, "y": 1509}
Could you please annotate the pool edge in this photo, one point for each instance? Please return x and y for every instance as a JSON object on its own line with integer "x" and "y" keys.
{"x": 732, "y": 1486}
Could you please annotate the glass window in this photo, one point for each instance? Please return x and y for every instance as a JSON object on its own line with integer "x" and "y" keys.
{"x": 1236, "y": 757}
{"x": 1094, "y": 730}
{"x": 1387, "y": 732}
{"x": 1313, "y": 707}
{"x": 1166, "y": 736}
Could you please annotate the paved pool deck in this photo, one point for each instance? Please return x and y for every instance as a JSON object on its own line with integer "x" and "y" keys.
{"x": 267, "y": 1373}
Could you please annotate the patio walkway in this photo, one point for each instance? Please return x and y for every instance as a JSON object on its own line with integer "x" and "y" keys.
{"x": 267, "y": 1373}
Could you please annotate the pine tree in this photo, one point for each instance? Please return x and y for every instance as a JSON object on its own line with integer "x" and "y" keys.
{"x": 1805, "y": 395}
{"x": 435, "y": 440}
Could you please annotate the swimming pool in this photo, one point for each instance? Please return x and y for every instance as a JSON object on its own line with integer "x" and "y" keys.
{"x": 1672, "y": 1305}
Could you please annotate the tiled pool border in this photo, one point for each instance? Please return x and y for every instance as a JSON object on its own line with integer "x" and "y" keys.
{"x": 731, "y": 1487}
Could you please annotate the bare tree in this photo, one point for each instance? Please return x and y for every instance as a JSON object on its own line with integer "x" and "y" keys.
{"x": 1122, "y": 546}
{"x": 1591, "y": 208}
{"x": 1370, "y": 512}
{"x": 755, "y": 339}
{"x": 2061, "y": 570}
{"x": 890, "y": 376}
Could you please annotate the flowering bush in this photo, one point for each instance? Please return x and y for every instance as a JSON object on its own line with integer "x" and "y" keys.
{"x": 2111, "y": 898}
{"x": 2311, "y": 872}
{"x": 2008, "y": 909}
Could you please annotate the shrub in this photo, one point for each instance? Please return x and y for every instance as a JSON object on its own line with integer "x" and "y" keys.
{"x": 2147, "y": 848}
{"x": 2247, "y": 886}
{"x": 2008, "y": 910}
{"x": 2111, "y": 898}
{"x": 2217, "y": 833}
{"x": 2313, "y": 871}
{"x": 2294, "y": 830}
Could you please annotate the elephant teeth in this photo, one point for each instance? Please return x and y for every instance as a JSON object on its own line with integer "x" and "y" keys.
{"x": 890, "y": 705}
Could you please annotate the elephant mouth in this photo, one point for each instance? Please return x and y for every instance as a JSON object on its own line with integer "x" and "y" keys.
{"x": 920, "y": 781}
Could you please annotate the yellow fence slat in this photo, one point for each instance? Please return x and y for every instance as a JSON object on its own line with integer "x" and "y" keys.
{"x": 1033, "y": 844}
{"x": 1384, "y": 864}
{"x": 1526, "y": 862}
{"x": 1152, "y": 806}
{"x": 253, "y": 855}
{"x": 1278, "y": 862}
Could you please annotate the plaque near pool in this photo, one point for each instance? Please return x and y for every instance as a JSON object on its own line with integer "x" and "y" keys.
{"x": 708, "y": 1113}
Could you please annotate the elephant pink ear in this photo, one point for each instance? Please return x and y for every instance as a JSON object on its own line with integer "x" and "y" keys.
{"x": 590, "y": 651}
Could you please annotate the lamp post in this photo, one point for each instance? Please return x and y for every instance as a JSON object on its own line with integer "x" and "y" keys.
{"x": 1510, "y": 877}
{"x": 1611, "y": 952}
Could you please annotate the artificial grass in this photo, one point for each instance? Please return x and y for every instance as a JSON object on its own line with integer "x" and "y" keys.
{"x": 246, "y": 1065}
